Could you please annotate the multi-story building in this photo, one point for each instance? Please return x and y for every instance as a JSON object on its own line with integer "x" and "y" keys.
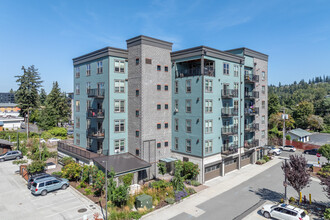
{"x": 200, "y": 104}
{"x": 7, "y": 97}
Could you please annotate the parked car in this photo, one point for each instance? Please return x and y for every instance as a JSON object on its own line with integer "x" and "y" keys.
{"x": 36, "y": 177}
{"x": 275, "y": 151}
{"x": 283, "y": 212}
{"x": 70, "y": 132}
{"x": 42, "y": 140}
{"x": 53, "y": 140}
{"x": 16, "y": 154}
{"x": 311, "y": 151}
{"x": 288, "y": 148}
{"x": 43, "y": 186}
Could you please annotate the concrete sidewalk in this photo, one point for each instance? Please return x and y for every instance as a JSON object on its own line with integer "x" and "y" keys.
{"x": 217, "y": 186}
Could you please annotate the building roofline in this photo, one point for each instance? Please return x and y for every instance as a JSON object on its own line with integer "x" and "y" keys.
{"x": 252, "y": 53}
{"x": 141, "y": 39}
{"x": 207, "y": 51}
{"x": 106, "y": 51}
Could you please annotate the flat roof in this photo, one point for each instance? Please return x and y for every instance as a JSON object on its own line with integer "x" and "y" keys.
{"x": 141, "y": 39}
{"x": 8, "y": 104}
{"x": 252, "y": 53}
{"x": 107, "y": 51}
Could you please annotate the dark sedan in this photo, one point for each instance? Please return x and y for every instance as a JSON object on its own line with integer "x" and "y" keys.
{"x": 311, "y": 151}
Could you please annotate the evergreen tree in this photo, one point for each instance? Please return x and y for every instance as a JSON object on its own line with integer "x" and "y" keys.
{"x": 42, "y": 96}
{"x": 273, "y": 104}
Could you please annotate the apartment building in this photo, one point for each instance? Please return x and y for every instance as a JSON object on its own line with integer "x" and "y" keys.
{"x": 199, "y": 104}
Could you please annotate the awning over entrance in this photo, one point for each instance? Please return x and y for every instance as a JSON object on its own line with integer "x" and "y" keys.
{"x": 168, "y": 159}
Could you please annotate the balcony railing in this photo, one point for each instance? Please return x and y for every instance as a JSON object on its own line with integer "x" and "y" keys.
{"x": 229, "y": 130}
{"x": 95, "y": 93}
{"x": 229, "y": 112}
{"x": 251, "y": 111}
{"x": 251, "y": 78}
{"x": 228, "y": 149}
{"x": 251, "y": 127}
{"x": 251, "y": 143}
{"x": 194, "y": 71}
{"x": 96, "y": 133}
{"x": 95, "y": 113}
{"x": 229, "y": 93}
{"x": 75, "y": 150}
{"x": 251, "y": 95}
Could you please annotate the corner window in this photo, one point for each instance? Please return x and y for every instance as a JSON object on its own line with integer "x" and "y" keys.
{"x": 166, "y": 68}
{"x": 99, "y": 67}
{"x": 88, "y": 86}
{"x": 208, "y": 146}
{"x": 176, "y": 105}
{"x": 263, "y": 119}
{"x": 208, "y": 85}
{"x": 137, "y": 133}
{"x": 263, "y": 134}
{"x": 77, "y": 72}
{"x": 236, "y": 70}
{"x": 226, "y": 68}
{"x": 77, "y": 122}
{"x": 188, "y": 145}
{"x": 188, "y": 106}
{"x": 137, "y": 113}
{"x": 188, "y": 86}
{"x": 77, "y": 139}
{"x": 263, "y": 89}
{"x": 137, "y": 152}
{"x": 119, "y": 66}
{"x": 119, "y": 125}
{"x": 263, "y": 104}
{"x": 77, "y": 89}
{"x": 208, "y": 106}
{"x": 137, "y": 92}
{"x": 208, "y": 126}
{"x": 263, "y": 75}
{"x": 159, "y": 68}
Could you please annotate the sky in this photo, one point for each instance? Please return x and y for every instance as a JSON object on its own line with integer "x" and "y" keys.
{"x": 49, "y": 34}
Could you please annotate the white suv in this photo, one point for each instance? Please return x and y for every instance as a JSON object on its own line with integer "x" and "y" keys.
{"x": 283, "y": 212}
{"x": 288, "y": 148}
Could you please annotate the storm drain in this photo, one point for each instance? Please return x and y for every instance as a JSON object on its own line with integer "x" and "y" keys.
{"x": 82, "y": 210}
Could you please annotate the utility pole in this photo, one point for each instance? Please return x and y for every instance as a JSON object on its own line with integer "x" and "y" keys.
{"x": 39, "y": 146}
{"x": 284, "y": 117}
{"x": 17, "y": 140}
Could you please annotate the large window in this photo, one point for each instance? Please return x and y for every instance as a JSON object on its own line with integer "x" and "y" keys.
{"x": 77, "y": 88}
{"x": 208, "y": 106}
{"x": 263, "y": 75}
{"x": 188, "y": 86}
{"x": 176, "y": 143}
{"x": 119, "y": 105}
{"x": 99, "y": 67}
{"x": 88, "y": 69}
{"x": 236, "y": 70}
{"x": 208, "y": 126}
{"x": 119, "y": 86}
{"x": 120, "y": 125}
{"x": 88, "y": 86}
{"x": 77, "y": 122}
{"x": 77, "y": 72}
{"x": 188, "y": 126}
{"x": 176, "y": 124}
{"x": 208, "y": 146}
{"x": 120, "y": 145}
{"x": 208, "y": 85}
{"x": 188, "y": 106}
{"x": 77, "y": 106}
{"x": 226, "y": 68}
{"x": 263, "y": 89}
{"x": 119, "y": 66}
{"x": 188, "y": 145}
{"x": 77, "y": 139}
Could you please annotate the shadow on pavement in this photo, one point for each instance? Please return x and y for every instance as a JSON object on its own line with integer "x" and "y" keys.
{"x": 270, "y": 195}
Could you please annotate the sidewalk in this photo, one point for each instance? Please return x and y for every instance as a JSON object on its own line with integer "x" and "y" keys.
{"x": 217, "y": 186}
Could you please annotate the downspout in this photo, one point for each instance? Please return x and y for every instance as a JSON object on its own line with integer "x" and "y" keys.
{"x": 202, "y": 100}
{"x": 240, "y": 117}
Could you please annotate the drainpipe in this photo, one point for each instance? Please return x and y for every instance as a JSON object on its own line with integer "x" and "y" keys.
{"x": 202, "y": 100}
{"x": 240, "y": 117}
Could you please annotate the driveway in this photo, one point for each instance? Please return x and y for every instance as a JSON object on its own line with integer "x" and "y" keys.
{"x": 319, "y": 139}
{"x": 17, "y": 202}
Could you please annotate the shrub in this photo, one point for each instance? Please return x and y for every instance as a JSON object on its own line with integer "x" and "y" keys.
{"x": 177, "y": 180}
{"x": 127, "y": 179}
{"x": 326, "y": 214}
{"x": 135, "y": 215}
{"x": 169, "y": 200}
{"x": 260, "y": 162}
{"x": 58, "y": 174}
{"x": 99, "y": 183}
{"x": 66, "y": 160}
{"x": 88, "y": 191}
{"x": 288, "y": 137}
{"x": 292, "y": 199}
{"x": 82, "y": 185}
{"x": 36, "y": 167}
{"x": 59, "y": 132}
{"x": 190, "y": 170}
{"x": 161, "y": 168}
{"x": 266, "y": 158}
{"x": 195, "y": 183}
{"x": 72, "y": 171}
{"x": 191, "y": 191}
{"x": 18, "y": 162}
{"x": 180, "y": 195}
{"x": 119, "y": 196}
{"x": 161, "y": 184}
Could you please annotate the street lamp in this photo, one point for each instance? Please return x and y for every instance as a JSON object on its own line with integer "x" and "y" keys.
{"x": 106, "y": 188}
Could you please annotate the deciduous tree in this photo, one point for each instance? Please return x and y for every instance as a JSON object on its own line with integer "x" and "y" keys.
{"x": 325, "y": 151}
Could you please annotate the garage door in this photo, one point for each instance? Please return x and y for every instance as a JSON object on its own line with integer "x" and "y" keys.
{"x": 212, "y": 171}
{"x": 231, "y": 165}
{"x": 246, "y": 159}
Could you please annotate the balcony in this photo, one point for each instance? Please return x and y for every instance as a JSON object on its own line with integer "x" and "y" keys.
{"x": 251, "y": 78}
{"x": 229, "y": 112}
{"x": 95, "y": 113}
{"x": 229, "y": 93}
{"x": 96, "y": 133}
{"x": 229, "y": 130}
{"x": 251, "y": 143}
{"x": 228, "y": 149}
{"x": 251, "y": 111}
{"x": 251, "y": 95}
{"x": 194, "y": 68}
{"x": 251, "y": 127}
{"x": 96, "y": 93}
{"x": 70, "y": 149}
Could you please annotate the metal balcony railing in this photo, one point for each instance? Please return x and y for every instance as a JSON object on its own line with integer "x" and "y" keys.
{"x": 251, "y": 127}
{"x": 95, "y": 113}
{"x": 251, "y": 78}
{"x": 251, "y": 111}
{"x": 251, "y": 95}
{"x": 229, "y": 112}
{"x": 75, "y": 150}
{"x": 96, "y": 133}
{"x": 228, "y": 149}
{"x": 251, "y": 143}
{"x": 229, "y": 93}
{"x": 95, "y": 93}
{"x": 229, "y": 130}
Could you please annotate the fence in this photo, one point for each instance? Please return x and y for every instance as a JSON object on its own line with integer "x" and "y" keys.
{"x": 301, "y": 145}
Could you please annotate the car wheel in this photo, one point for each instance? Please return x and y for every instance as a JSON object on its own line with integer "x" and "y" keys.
{"x": 64, "y": 186}
{"x": 266, "y": 215}
{"x": 44, "y": 192}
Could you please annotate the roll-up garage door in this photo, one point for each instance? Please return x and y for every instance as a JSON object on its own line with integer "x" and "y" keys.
{"x": 231, "y": 165}
{"x": 246, "y": 159}
{"x": 212, "y": 171}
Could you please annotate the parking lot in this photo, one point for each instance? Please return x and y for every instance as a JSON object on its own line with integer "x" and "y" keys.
{"x": 17, "y": 202}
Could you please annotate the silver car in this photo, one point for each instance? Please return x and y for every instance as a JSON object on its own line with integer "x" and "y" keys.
{"x": 11, "y": 155}
{"x": 43, "y": 186}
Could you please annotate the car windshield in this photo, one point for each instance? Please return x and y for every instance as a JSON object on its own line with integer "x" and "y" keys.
{"x": 274, "y": 206}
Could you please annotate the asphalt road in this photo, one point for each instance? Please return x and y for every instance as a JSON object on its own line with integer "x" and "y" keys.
{"x": 246, "y": 197}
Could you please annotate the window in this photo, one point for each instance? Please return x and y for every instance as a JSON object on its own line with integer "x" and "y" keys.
{"x": 77, "y": 106}
{"x": 226, "y": 68}
{"x": 159, "y": 106}
{"x": 263, "y": 89}
{"x": 166, "y": 124}
{"x": 119, "y": 125}
{"x": 89, "y": 143}
{"x": 78, "y": 139}
{"x": 166, "y": 143}
{"x": 120, "y": 145}
{"x": 188, "y": 126}
{"x": 148, "y": 61}
{"x": 77, "y": 72}
{"x": 208, "y": 146}
{"x": 137, "y": 152}
{"x": 188, "y": 105}
{"x": 208, "y": 106}
{"x": 119, "y": 66}
{"x": 88, "y": 86}
{"x": 263, "y": 104}
{"x": 208, "y": 85}
{"x": 263, "y": 119}
{"x": 176, "y": 105}
{"x": 77, "y": 122}
{"x": 166, "y": 106}
{"x": 137, "y": 133}
{"x": 176, "y": 143}
{"x": 88, "y": 123}
{"x": 188, "y": 145}
{"x": 48, "y": 183}
{"x": 208, "y": 126}
{"x": 176, "y": 91}
{"x": 176, "y": 124}
{"x": 236, "y": 70}
{"x": 188, "y": 86}
{"x": 166, "y": 68}
{"x": 263, "y": 75}
{"x": 235, "y": 85}
{"x": 99, "y": 67}
{"x": 159, "y": 87}
{"x": 137, "y": 61}
{"x": 159, "y": 68}
{"x": 159, "y": 125}
{"x": 88, "y": 104}
{"x": 159, "y": 144}
{"x": 166, "y": 87}
{"x": 137, "y": 113}
{"x": 119, "y": 106}
{"x": 263, "y": 134}
{"x": 137, "y": 92}
{"x": 119, "y": 86}
{"x": 77, "y": 88}
{"x": 88, "y": 69}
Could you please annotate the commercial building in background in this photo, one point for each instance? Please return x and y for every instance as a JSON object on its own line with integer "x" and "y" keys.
{"x": 148, "y": 104}
{"x": 7, "y": 97}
